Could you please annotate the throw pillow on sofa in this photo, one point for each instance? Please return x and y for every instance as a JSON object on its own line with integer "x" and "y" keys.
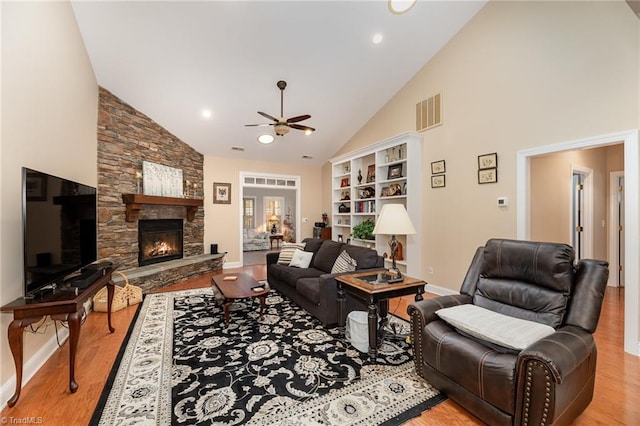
{"x": 499, "y": 329}
{"x": 301, "y": 259}
{"x": 344, "y": 263}
{"x": 286, "y": 252}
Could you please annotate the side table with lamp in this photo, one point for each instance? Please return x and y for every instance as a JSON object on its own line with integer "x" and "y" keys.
{"x": 376, "y": 289}
{"x": 394, "y": 220}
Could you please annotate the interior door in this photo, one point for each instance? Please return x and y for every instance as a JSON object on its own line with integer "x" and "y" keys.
{"x": 620, "y": 207}
{"x": 578, "y": 214}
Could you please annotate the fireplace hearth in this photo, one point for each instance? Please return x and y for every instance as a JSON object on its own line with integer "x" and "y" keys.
{"x": 159, "y": 240}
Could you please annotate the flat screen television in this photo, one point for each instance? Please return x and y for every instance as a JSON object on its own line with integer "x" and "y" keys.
{"x": 59, "y": 226}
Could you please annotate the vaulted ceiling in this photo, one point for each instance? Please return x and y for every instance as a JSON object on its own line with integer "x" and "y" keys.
{"x": 172, "y": 60}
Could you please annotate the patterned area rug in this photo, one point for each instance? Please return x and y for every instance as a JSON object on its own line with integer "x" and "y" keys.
{"x": 180, "y": 366}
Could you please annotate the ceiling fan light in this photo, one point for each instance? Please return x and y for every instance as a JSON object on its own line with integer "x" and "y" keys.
{"x": 281, "y": 129}
{"x": 308, "y": 132}
{"x": 398, "y": 7}
{"x": 266, "y": 138}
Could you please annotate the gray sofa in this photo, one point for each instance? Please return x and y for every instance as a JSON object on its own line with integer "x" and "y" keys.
{"x": 314, "y": 288}
{"x": 253, "y": 240}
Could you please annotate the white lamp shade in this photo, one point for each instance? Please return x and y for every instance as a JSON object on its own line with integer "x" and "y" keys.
{"x": 394, "y": 220}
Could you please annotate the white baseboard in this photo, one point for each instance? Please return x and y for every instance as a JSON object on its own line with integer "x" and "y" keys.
{"x": 440, "y": 291}
{"x": 32, "y": 366}
{"x": 229, "y": 265}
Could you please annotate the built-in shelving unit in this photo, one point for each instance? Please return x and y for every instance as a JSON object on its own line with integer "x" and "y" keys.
{"x": 134, "y": 203}
{"x": 363, "y": 181}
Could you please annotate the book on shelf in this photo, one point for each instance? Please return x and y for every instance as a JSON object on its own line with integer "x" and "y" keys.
{"x": 365, "y": 206}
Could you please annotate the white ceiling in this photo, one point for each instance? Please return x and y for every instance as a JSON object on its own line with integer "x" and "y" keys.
{"x": 171, "y": 60}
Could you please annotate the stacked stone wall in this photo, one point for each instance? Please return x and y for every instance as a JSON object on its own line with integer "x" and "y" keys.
{"x": 126, "y": 138}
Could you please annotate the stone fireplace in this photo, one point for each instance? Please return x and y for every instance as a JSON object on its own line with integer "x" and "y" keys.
{"x": 159, "y": 240}
{"x": 126, "y": 138}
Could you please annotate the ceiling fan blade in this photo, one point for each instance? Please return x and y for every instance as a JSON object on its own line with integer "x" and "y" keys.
{"x": 300, "y": 127}
{"x": 265, "y": 115}
{"x": 265, "y": 124}
{"x": 298, "y": 118}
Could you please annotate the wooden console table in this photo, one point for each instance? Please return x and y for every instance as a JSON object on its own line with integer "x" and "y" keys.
{"x": 62, "y": 305}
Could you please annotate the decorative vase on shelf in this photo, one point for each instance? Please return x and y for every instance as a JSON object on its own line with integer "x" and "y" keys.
{"x": 359, "y": 176}
{"x": 138, "y": 183}
{"x": 187, "y": 189}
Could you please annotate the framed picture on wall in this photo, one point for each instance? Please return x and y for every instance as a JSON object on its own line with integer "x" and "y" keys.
{"x": 438, "y": 167}
{"x": 488, "y": 175}
{"x": 438, "y": 181}
{"x": 221, "y": 193}
{"x": 488, "y": 161}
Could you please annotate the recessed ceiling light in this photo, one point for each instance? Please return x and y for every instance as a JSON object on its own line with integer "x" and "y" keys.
{"x": 398, "y": 7}
{"x": 377, "y": 38}
{"x": 206, "y": 113}
{"x": 266, "y": 138}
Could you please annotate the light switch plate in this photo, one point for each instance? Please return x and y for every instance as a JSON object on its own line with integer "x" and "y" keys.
{"x": 503, "y": 201}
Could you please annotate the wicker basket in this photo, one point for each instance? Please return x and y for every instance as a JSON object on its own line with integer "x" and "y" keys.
{"x": 122, "y": 297}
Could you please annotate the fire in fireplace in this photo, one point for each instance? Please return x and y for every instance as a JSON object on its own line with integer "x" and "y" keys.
{"x": 159, "y": 240}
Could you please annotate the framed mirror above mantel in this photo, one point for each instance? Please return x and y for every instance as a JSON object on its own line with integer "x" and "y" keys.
{"x": 134, "y": 203}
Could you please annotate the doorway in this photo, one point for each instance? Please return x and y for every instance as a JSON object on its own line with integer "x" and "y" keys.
{"x": 275, "y": 202}
{"x": 631, "y": 245}
{"x": 582, "y": 212}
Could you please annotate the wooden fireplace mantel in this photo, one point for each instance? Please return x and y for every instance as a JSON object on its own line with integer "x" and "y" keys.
{"x": 134, "y": 203}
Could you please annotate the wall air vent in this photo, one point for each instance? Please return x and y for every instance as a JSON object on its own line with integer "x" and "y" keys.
{"x": 237, "y": 148}
{"x": 307, "y": 157}
{"x": 429, "y": 112}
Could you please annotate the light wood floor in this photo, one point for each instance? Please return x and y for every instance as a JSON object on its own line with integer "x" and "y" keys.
{"x": 47, "y": 395}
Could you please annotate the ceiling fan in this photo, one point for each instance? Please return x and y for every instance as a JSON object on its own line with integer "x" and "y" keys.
{"x": 282, "y": 125}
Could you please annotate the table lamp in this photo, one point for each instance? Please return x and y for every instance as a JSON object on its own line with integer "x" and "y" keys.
{"x": 394, "y": 220}
{"x": 274, "y": 220}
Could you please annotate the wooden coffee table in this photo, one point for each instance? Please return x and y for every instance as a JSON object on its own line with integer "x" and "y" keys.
{"x": 376, "y": 296}
{"x": 241, "y": 288}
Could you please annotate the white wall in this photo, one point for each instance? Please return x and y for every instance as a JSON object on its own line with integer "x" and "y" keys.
{"x": 49, "y": 114}
{"x": 518, "y": 75}
{"x": 551, "y": 192}
{"x": 222, "y": 222}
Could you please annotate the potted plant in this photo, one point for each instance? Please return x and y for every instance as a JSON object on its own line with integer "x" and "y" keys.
{"x": 364, "y": 230}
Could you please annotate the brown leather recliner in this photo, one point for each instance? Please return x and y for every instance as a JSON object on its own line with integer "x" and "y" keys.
{"x": 549, "y": 382}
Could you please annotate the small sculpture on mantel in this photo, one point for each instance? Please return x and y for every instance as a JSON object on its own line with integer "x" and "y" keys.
{"x": 139, "y": 182}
